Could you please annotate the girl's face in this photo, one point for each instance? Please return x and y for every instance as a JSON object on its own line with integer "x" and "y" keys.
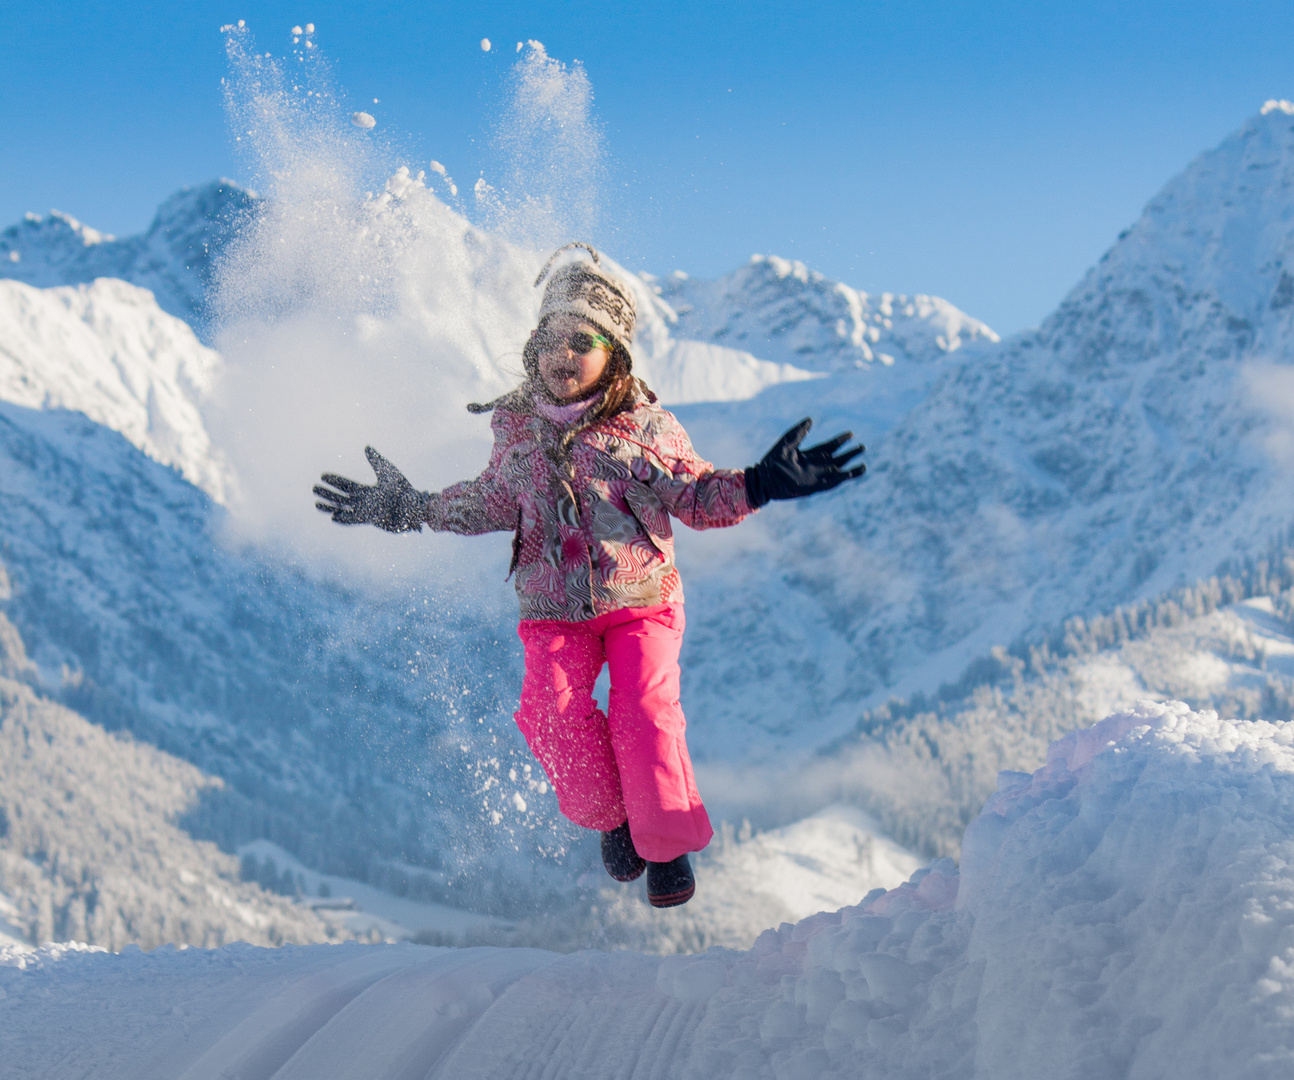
{"x": 568, "y": 374}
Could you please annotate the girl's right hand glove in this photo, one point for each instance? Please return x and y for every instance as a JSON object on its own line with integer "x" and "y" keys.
{"x": 391, "y": 504}
{"x": 787, "y": 472}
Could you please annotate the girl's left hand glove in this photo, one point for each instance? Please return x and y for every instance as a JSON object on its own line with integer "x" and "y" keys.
{"x": 391, "y": 504}
{"x": 787, "y": 472}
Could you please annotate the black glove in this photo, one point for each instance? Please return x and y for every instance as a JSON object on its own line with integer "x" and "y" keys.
{"x": 391, "y": 504}
{"x": 787, "y": 472}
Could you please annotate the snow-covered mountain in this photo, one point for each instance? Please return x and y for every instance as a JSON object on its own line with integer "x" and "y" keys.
{"x": 927, "y": 765}
{"x": 255, "y": 671}
{"x": 779, "y": 309}
{"x": 107, "y": 350}
{"x": 93, "y": 846}
{"x": 173, "y": 259}
{"x": 1136, "y": 441}
{"x": 330, "y": 714}
{"x": 1128, "y": 445}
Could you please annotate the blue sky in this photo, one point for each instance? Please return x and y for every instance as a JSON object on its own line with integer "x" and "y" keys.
{"x": 985, "y": 152}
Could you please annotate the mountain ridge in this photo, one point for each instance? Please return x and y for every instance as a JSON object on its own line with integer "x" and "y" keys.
{"x": 173, "y": 258}
{"x": 1121, "y": 449}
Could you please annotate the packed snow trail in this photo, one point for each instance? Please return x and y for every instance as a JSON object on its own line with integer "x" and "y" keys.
{"x": 1125, "y": 911}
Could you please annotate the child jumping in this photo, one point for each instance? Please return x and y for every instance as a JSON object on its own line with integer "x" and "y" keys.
{"x": 586, "y": 470}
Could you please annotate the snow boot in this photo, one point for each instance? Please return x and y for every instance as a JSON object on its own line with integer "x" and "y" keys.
{"x": 670, "y": 883}
{"x": 619, "y": 856}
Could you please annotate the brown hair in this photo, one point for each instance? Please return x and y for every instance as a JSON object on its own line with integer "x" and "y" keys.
{"x": 618, "y": 387}
{"x": 617, "y": 391}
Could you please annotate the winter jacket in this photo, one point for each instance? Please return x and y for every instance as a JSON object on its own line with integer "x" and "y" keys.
{"x": 591, "y": 520}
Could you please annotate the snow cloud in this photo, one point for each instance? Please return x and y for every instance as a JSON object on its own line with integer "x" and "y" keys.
{"x": 1271, "y": 388}
{"x": 359, "y": 309}
{"x": 551, "y": 153}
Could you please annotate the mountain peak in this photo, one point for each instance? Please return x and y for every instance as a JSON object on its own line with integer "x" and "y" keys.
{"x": 87, "y": 235}
{"x": 779, "y": 309}
{"x": 55, "y": 230}
{"x": 1216, "y": 238}
{"x": 173, "y": 258}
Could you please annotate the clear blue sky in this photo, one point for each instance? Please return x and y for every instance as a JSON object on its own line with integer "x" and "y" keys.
{"x": 986, "y": 152}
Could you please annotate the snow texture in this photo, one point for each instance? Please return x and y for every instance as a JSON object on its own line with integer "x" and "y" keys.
{"x": 1125, "y": 911}
{"x": 107, "y": 350}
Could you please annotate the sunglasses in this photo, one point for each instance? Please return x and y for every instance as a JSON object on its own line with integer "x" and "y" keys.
{"x": 580, "y": 342}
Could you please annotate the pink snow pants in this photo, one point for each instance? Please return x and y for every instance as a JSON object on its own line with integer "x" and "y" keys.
{"x": 631, "y": 762}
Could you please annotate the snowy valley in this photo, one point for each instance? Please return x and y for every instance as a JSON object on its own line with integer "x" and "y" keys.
{"x": 1054, "y": 527}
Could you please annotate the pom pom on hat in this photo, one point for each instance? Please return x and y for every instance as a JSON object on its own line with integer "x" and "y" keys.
{"x": 589, "y": 292}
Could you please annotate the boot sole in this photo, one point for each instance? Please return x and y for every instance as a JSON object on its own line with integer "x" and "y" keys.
{"x": 632, "y": 877}
{"x": 672, "y": 899}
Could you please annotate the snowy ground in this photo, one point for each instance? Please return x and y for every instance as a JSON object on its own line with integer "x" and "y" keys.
{"x": 747, "y": 881}
{"x": 1125, "y": 911}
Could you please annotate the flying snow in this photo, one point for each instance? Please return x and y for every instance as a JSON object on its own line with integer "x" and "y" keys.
{"x": 363, "y": 120}
{"x": 551, "y": 151}
{"x": 485, "y": 44}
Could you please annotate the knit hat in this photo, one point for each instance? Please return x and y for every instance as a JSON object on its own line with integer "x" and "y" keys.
{"x": 590, "y": 292}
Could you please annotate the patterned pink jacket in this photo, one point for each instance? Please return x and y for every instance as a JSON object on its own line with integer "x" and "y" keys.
{"x": 600, "y": 540}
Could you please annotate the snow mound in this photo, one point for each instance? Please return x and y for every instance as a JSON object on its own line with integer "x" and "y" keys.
{"x": 1150, "y": 862}
{"x": 1122, "y": 912}
{"x": 107, "y": 350}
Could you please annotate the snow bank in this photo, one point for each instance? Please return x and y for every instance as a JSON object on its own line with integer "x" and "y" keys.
{"x": 1125, "y": 911}
{"x": 1132, "y": 902}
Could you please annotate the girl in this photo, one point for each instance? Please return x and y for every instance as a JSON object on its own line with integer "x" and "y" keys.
{"x": 585, "y": 472}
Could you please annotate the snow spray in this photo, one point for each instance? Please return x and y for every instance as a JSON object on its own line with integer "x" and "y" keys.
{"x": 551, "y": 155}
{"x": 360, "y": 305}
